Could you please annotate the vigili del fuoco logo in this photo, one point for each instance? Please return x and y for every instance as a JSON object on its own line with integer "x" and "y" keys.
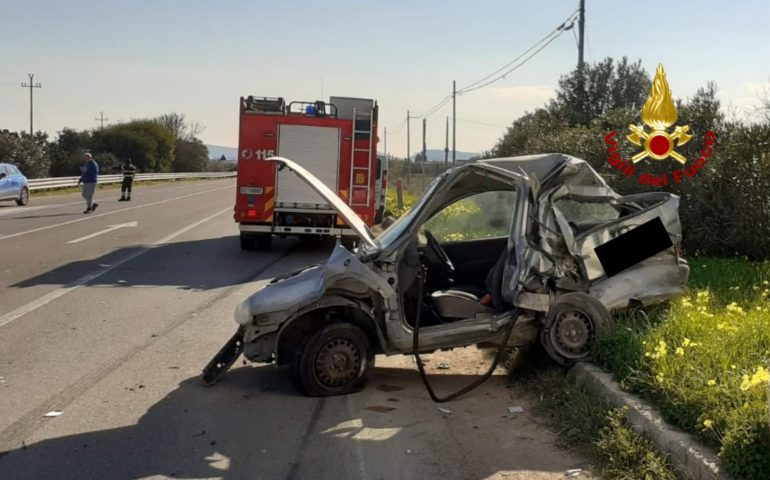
{"x": 658, "y": 143}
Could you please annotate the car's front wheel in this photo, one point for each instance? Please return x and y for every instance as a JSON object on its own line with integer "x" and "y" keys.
{"x": 334, "y": 360}
{"x": 575, "y": 323}
{"x": 23, "y": 197}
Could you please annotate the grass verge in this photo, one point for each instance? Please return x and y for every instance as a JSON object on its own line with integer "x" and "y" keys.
{"x": 703, "y": 361}
{"x": 589, "y": 425}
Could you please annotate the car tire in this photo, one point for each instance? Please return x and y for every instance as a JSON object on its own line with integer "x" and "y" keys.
{"x": 247, "y": 242}
{"x": 264, "y": 241}
{"x": 23, "y": 197}
{"x": 335, "y": 360}
{"x": 574, "y": 324}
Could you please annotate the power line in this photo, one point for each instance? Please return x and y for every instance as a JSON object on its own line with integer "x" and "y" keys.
{"x": 518, "y": 65}
{"x": 560, "y": 28}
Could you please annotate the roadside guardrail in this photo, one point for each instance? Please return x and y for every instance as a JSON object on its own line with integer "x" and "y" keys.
{"x": 64, "y": 182}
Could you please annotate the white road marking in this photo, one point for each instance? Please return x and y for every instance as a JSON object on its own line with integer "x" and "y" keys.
{"x": 90, "y": 217}
{"x": 20, "y": 210}
{"x": 51, "y": 296}
{"x": 106, "y": 230}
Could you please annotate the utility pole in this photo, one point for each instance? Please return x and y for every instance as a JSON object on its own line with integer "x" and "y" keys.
{"x": 31, "y": 85}
{"x": 386, "y": 143}
{"x": 424, "y": 151}
{"x": 101, "y": 120}
{"x": 408, "y": 151}
{"x": 446, "y": 145}
{"x": 454, "y": 122}
{"x": 581, "y": 37}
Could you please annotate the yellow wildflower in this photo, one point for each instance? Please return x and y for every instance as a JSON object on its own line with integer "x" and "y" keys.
{"x": 679, "y": 351}
{"x": 734, "y": 308}
{"x": 708, "y": 423}
{"x": 765, "y": 282}
{"x": 711, "y": 382}
{"x": 760, "y": 377}
{"x": 686, "y": 342}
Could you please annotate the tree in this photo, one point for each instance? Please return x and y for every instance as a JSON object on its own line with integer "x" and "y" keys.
{"x": 190, "y": 156}
{"x": 67, "y": 152}
{"x": 177, "y": 124}
{"x": 605, "y": 86}
{"x": 27, "y": 153}
{"x": 149, "y": 145}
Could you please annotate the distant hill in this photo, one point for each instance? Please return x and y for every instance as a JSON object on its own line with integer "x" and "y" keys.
{"x": 216, "y": 152}
{"x": 436, "y": 155}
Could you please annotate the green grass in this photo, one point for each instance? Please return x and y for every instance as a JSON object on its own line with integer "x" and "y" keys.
{"x": 704, "y": 360}
{"x": 589, "y": 425}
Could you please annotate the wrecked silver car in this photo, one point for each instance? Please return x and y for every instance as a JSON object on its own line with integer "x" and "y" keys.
{"x": 503, "y": 251}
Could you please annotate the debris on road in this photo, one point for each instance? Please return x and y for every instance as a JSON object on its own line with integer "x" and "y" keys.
{"x": 409, "y": 450}
{"x": 379, "y": 408}
{"x": 122, "y": 282}
{"x": 443, "y": 366}
{"x": 515, "y": 409}
{"x": 198, "y": 434}
{"x": 444, "y": 410}
{"x": 54, "y": 413}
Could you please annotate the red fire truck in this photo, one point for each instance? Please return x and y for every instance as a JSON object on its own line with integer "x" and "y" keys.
{"x": 336, "y": 141}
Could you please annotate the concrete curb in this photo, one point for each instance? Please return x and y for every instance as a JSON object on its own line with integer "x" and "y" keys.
{"x": 698, "y": 461}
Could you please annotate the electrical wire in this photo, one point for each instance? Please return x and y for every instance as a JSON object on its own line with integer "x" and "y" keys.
{"x": 561, "y": 27}
{"x": 515, "y": 67}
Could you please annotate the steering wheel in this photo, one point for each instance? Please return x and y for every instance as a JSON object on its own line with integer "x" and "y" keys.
{"x": 439, "y": 253}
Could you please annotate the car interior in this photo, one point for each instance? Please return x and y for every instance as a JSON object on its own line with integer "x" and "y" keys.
{"x": 461, "y": 259}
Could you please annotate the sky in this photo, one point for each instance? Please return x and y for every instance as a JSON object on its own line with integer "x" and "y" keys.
{"x": 140, "y": 59}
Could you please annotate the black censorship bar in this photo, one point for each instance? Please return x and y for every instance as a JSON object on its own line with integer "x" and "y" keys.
{"x": 633, "y": 246}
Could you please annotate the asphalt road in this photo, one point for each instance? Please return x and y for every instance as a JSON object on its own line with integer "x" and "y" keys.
{"x": 110, "y": 317}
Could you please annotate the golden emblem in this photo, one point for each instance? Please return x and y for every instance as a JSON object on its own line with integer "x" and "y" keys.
{"x": 659, "y": 113}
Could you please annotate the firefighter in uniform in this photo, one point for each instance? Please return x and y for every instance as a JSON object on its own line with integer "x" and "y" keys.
{"x": 129, "y": 170}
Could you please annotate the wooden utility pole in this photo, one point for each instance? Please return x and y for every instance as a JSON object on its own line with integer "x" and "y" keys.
{"x": 31, "y": 85}
{"x": 454, "y": 122}
{"x": 385, "y": 136}
{"x": 408, "y": 151}
{"x": 581, "y": 33}
{"x": 446, "y": 145}
{"x": 424, "y": 151}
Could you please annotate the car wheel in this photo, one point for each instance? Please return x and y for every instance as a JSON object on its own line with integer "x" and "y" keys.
{"x": 574, "y": 324}
{"x": 335, "y": 360}
{"x": 23, "y": 197}
{"x": 247, "y": 242}
{"x": 264, "y": 241}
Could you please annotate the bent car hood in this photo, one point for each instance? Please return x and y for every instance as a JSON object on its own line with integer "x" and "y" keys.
{"x": 351, "y": 218}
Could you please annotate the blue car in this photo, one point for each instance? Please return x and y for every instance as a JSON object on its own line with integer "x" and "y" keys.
{"x": 13, "y": 185}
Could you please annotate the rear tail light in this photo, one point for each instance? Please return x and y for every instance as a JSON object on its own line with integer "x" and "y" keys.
{"x": 251, "y": 213}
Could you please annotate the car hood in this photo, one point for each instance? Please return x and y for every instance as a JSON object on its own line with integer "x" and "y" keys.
{"x": 351, "y": 218}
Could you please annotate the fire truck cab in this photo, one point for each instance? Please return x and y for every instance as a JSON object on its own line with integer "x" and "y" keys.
{"x": 336, "y": 141}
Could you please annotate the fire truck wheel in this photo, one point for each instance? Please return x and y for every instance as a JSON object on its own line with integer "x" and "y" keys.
{"x": 247, "y": 242}
{"x": 264, "y": 241}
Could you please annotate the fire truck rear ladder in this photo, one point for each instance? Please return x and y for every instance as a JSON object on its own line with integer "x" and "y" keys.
{"x": 366, "y": 171}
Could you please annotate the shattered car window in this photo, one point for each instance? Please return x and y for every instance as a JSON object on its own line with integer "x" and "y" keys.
{"x": 484, "y": 215}
{"x": 585, "y": 215}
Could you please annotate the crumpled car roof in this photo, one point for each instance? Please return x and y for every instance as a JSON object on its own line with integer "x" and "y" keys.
{"x": 557, "y": 168}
